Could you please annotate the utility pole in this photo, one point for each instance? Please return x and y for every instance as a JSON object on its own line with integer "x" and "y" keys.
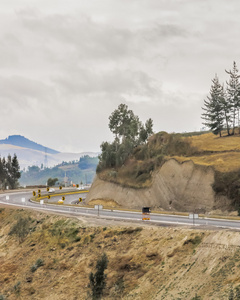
{"x": 45, "y": 159}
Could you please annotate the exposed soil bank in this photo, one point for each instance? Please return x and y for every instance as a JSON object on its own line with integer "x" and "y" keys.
{"x": 176, "y": 186}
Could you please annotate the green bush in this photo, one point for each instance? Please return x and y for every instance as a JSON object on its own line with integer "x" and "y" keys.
{"x": 97, "y": 281}
{"x": 21, "y": 228}
{"x": 17, "y": 288}
{"x": 228, "y": 184}
{"x": 33, "y": 268}
{"x": 195, "y": 241}
{"x": 39, "y": 263}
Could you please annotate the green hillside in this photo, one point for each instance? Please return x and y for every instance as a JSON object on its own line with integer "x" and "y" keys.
{"x": 76, "y": 171}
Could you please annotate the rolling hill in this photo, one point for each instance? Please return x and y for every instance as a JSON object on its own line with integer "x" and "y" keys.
{"x": 30, "y": 153}
{"x": 21, "y": 141}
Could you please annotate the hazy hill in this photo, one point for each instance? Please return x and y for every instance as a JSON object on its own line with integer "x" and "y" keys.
{"x": 21, "y": 141}
{"x": 30, "y": 153}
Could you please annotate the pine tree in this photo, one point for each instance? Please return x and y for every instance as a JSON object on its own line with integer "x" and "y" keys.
{"x": 15, "y": 171}
{"x": 2, "y": 176}
{"x": 226, "y": 109}
{"x": 213, "y": 108}
{"x": 3, "y": 173}
{"x": 233, "y": 95}
{"x": 9, "y": 171}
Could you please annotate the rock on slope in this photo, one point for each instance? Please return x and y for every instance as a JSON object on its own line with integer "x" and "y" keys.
{"x": 176, "y": 186}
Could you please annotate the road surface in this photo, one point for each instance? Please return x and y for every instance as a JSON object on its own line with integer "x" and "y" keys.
{"x": 23, "y": 199}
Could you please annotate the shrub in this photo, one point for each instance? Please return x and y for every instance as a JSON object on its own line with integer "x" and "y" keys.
{"x": 20, "y": 229}
{"x": 119, "y": 287}
{"x": 17, "y": 288}
{"x": 196, "y": 297}
{"x": 77, "y": 239}
{"x": 228, "y": 184}
{"x": 33, "y": 268}
{"x": 39, "y": 263}
{"x": 98, "y": 280}
{"x": 195, "y": 241}
{"x": 231, "y": 295}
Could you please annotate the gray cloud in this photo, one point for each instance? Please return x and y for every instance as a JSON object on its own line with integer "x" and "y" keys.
{"x": 65, "y": 68}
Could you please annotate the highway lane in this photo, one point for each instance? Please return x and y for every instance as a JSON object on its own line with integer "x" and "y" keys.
{"x": 22, "y": 199}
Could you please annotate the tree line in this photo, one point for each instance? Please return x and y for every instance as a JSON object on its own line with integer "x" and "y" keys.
{"x": 222, "y": 106}
{"x": 9, "y": 172}
{"x": 129, "y": 133}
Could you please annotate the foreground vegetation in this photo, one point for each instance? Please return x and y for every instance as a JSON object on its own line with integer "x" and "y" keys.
{"x": 56, "y": 256}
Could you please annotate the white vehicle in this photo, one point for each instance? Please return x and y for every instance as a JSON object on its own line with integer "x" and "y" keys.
{"x": 80, "y": 188}
{"x": 51, "y": 190}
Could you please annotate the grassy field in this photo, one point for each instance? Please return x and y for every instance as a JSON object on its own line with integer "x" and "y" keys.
{"x": 211, "y": 142}
{"x": 221, "y": 153}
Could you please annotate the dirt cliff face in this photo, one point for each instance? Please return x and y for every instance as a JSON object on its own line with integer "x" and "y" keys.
{"x": 176, "y": 186}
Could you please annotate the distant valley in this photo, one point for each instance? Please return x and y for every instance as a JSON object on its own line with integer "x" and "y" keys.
{"x": 30, "y": 153}
{"x": 39, "y": 163}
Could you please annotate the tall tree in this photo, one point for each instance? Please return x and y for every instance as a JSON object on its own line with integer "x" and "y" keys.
{"x": 9, "y": 171}
{"x": 15, "y": 171}
{"x": 2, "y": 172}
{"x": 146, "y": 131}
{"x": 226, "y": 109}
{"x": 123, "y": 123}
{"x": 213, "y": 108}
{"x": 129, "y": 132}
{"x": 233, "y": 95}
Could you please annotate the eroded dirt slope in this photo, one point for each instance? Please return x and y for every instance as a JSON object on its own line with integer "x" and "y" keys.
{"x": 176, "y": 186}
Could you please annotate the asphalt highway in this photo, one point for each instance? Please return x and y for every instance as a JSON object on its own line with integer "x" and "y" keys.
{"x": 22, "y": 199}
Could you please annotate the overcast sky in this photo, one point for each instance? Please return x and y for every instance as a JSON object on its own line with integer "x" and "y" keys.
{"x": 66, "y": 65}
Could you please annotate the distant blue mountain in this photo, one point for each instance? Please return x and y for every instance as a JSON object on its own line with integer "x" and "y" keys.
{"x": 21, "y": 141}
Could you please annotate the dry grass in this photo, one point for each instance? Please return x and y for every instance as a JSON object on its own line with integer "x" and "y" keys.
{"x": 223, "y": 162}
{"x": 225, "y": 156}
{"x": 144, "y": 262}
{"x": 106, "y": 203}
{"x": 211, "y": 142}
